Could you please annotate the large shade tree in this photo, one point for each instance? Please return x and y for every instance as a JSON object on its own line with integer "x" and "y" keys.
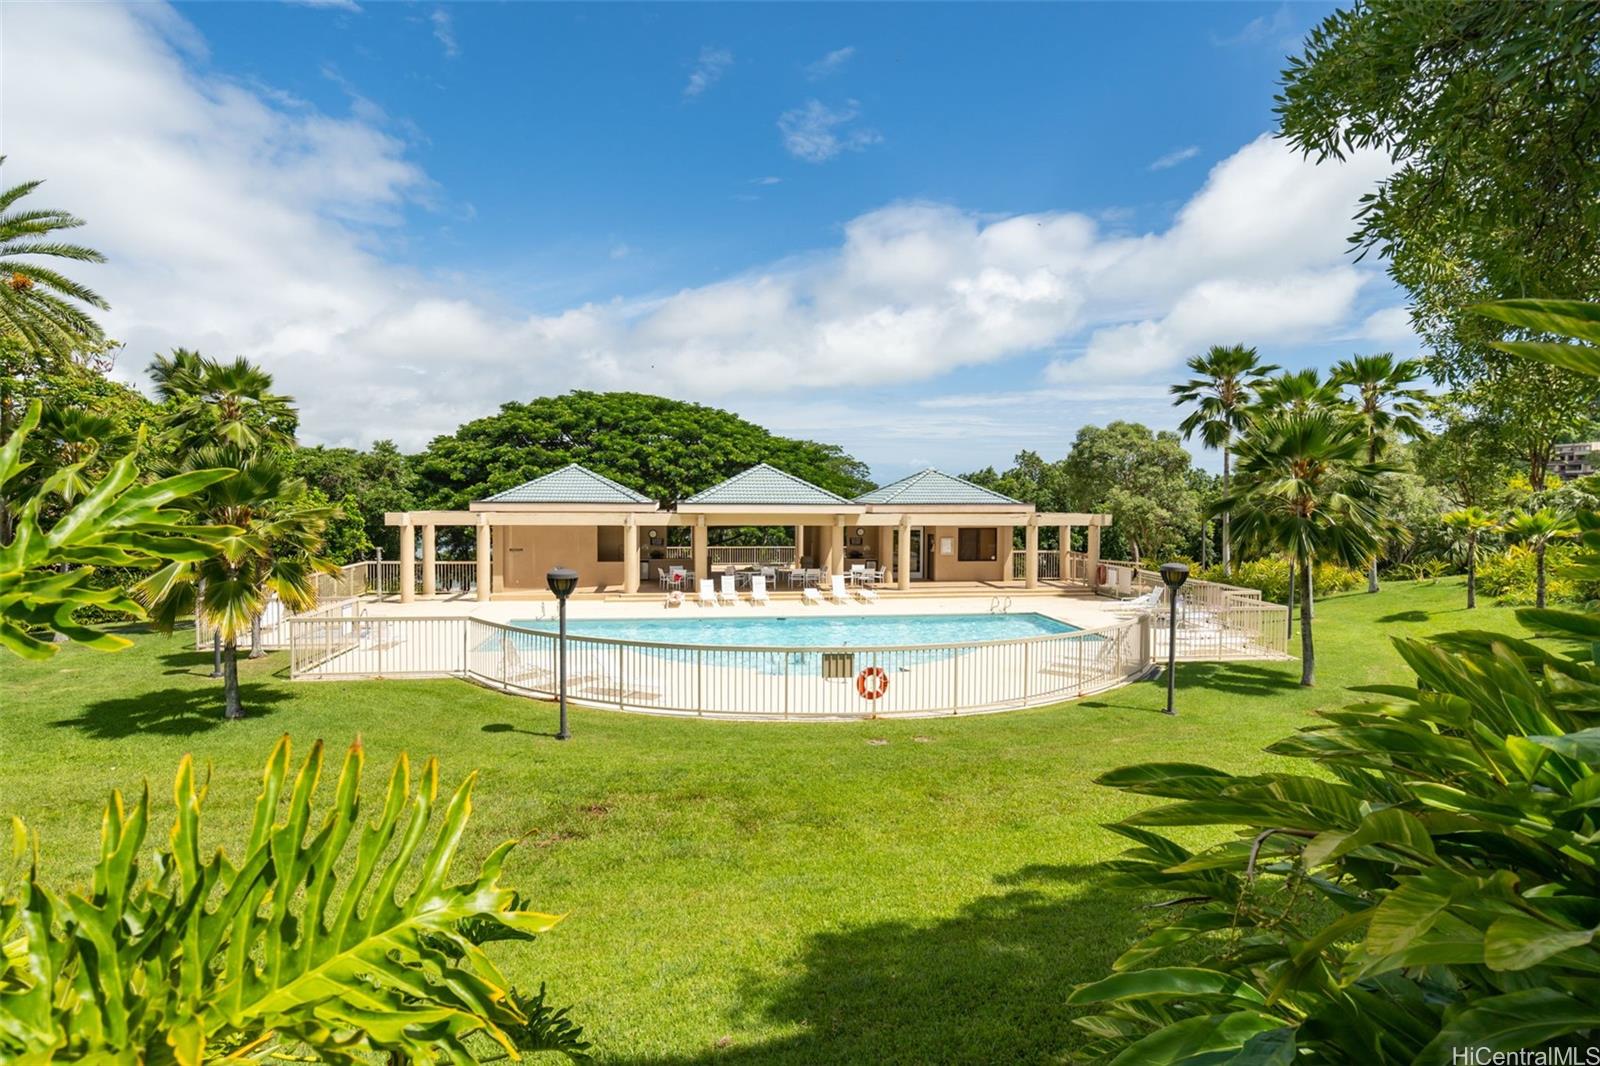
{"x": 1305, "y": 489}
{"x": 664, "y": 448}
{"x": 1491, "y": 113}
{"x": 1220, "y": 394}
{"x": 1142, "y": 478}
{"x": 1390, "y": 406}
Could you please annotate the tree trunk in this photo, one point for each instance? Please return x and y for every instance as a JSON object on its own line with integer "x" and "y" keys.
{"x": 1372, "y": 567}
{"x": 1472, "y": 572}
{"x": 1308, "y": 651}
{"x": 1372, "y": 575}
{"x": 1227, "y": 548}
{"x": 233, "y": 707}
{"x": 256, "y": 651}
{"x": 1538, "y": 556}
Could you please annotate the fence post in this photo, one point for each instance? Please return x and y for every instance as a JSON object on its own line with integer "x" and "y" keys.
{"x": 505, "y": 667}
{"x": 699, "y": 682}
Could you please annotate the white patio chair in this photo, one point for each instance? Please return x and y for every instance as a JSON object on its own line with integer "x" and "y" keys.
{"x": 730, "y": 589}
{"x": 858, "y": 572}
{"x": 836, "y": 590}
{"x": 758, "y": 590}
{"x": 707, "y": 596}
{"x": 810, "y": 594}
{"x": 1150, "y": 601}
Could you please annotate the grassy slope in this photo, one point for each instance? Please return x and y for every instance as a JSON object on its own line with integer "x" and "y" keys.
{"x": 870, "y": 892}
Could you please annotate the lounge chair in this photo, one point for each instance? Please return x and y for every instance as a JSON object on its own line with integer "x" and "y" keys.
{"x": 758, "y": 590}
{"x": 809, "y": 594}
{"x": 730, "y": 589}
{"x": 867, "y": 593}
{"x": 707, "y": 596}
{"x": 1150, "y": 601}
{"x": 836, "y": 590}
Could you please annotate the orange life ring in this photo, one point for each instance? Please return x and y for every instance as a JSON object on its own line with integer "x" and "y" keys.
{"x": 872, "y": 683}
{"x": 1100, "y": 574}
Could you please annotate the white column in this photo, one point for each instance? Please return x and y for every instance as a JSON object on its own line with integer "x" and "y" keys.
{"x": 1091, "y": 559}
{"x": 1063, "y": 549}
{"x": 799, "y": 544}
{"x": 483, "y": 558}
{"x": 429, "y": 558}
{"x": 1030, "y": 543}
{"x": 630, "y": 555}
{"x": 902, "y": 566}
{"x": 700, "y": 571}
{"x": 836, "y": 549}
{"x": 408, "y": 560}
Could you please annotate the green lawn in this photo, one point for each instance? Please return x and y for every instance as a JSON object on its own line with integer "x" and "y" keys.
{"x": 911, "y": 891}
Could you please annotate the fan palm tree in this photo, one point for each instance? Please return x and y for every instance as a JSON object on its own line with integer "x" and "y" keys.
{"x": 1297, "y": 390}
{"x": 275, "y": 551}
{"x": 1305, "y": 489}
{"x": 1468, "y": 524}
{"x": 38, "y": 304}
{"x": 1537, "y": 530}
{"x": 210, "y": 401}
{"x": 1220, "y": 393}
{"x": 1387, "y": 404}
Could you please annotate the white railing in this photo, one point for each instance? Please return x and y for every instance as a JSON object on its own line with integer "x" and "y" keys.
{"x": 738, "y": 682}
{"x": 1049, "y": 565}
{"x": 1215, "y": 620}
{"x": 729, "y": 554}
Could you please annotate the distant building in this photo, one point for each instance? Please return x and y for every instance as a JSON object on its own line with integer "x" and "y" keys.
{"x": 1576, "y": 460}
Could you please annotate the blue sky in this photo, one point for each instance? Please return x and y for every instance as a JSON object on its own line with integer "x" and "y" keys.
{"x": 935, "y": 234}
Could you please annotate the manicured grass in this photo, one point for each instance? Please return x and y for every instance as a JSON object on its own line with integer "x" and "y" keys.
{"x": 910, "y": 891}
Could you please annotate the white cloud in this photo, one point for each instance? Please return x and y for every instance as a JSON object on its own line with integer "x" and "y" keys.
{"x": 1392, "y": 325}
{"x": 816, "y": 132}
{"x": 342, "y": 5}
{"x": 1173, "y": 158}
{"x": 768, "y": 180}
{"x": 708, "y": 70}
{"x": 444, "y": 32}
{"x": 261, "y": 223}
{"x": 830, "y": 64}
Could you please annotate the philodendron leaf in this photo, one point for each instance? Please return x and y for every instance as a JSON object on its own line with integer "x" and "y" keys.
{"x": 1391, "y": 828}
{"x": 1524, "y": 1019}
{"x": 1187, "y": 1040}
{"x": 1518, "y": 941}
{"x": 1584, "y": 745}
{"x": 1169, "y": 982}
{"x": 1275, "y": 1047}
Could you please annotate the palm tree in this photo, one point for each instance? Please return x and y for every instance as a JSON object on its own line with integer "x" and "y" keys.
{"x": 1297, "y": 390}
{"x": 1306, "y": 490}
{"x": 210, "y": 401}
{"x": 276, "y": 551}
{"x": 1387, "y": 405}
{"x": 1537, "y": 530}
{"x": 1468, "y": 524}
{"x": 1220, "y": 393}
{"x": 39, "y": 304}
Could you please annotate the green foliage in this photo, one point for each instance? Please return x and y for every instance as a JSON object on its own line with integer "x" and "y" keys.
{"x": 47, "y": 570}
{"x": 39, "y": 306}
{"x": 340, "y": 937}
{"x": 1271, "y": 576}
{"x": 207, "y": 402}
{"x": 366, "y": 484}
{"x": 1139, "y": 476}
{"x": 666, "y": 449}
{"x": 1511, "y": 575}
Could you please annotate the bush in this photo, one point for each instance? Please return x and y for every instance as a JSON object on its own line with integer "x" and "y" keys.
{"x": 1511, "y": 575}
{"x": 187, "y": 957}
{"x": 1430, "y": 884}
{"x": 1421, "y": 570}
{"x": 1271, "y": 576}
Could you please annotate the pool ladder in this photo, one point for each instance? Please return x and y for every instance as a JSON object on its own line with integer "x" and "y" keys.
{"x": 1000, "y": 606}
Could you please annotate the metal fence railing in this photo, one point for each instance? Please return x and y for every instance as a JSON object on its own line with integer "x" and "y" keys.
{"x": 1215, "y": 620}
{"x": 740, "y": 682}
{"x": 1049, "y": 565}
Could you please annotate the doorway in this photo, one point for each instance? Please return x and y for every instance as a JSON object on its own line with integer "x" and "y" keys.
{"x": 916, "y": 553}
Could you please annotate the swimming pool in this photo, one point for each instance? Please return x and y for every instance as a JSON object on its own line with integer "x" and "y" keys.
{"x": 812, "y": 631}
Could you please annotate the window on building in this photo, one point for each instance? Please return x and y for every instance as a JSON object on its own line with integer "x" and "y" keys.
{"x": 976, "y": 545}
{"x": 610, "y": 544}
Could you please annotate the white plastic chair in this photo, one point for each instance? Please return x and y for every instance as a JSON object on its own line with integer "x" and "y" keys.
{"x": 758, "y": 590}
{"x": 809, "y": 594}
{"x": 730, "y": 589}
{"x": 836, "y": 590}
{"x": 707, "y": 596}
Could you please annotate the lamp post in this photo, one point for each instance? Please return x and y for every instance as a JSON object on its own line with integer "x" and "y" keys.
{"x": 562, "y": 581}
{"x": 1173, "y": 575}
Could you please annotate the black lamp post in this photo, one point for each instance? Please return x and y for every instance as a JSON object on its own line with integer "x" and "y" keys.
{"x": 562, "y": 581}
{"x": 1173, "y": 575}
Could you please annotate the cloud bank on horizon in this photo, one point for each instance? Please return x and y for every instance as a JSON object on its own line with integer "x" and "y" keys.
{"x": 239, "y": 221}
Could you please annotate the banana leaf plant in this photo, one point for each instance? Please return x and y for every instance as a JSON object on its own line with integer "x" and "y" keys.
{"x": 46, "y": 569}
{"x": 336, "y": 936}
{"x": 1430, "y": 883}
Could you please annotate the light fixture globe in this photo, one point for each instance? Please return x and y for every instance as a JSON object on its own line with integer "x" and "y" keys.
{"x": 562, "y": 581}
{"x": 1173, "y": 575}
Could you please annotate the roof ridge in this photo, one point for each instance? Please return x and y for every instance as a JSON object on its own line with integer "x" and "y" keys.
{"x": 630, "y": 495}
{"x": 733, "y": 479}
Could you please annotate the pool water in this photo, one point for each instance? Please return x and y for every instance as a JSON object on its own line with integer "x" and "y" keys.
{"x": 813, "y": 631}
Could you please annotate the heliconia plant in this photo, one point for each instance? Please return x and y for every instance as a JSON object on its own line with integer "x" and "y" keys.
{"x": 335, "y": 936}
{"x": 1430, "y": 884}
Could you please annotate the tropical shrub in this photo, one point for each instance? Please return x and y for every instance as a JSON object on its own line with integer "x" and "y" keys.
{"x": 1511, "y": 575}
{"x": 1421, "y": 570}
{"x": 1271, "y": 576}
{"x": 332, "y": 937}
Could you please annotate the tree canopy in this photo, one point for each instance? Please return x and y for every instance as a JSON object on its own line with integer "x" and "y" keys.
{"x": 667, "y": 449}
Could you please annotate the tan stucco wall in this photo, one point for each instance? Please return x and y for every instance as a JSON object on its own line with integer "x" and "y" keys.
{"x": 524, "y": 554}
{"x": 951, "y": 568}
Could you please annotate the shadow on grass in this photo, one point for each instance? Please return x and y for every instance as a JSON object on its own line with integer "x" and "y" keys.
{"x": 986, "y": 985}
{"x": 1406, "y": 616}
{"x": 173, "y": 712}
{"x": 507, "y": 727}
